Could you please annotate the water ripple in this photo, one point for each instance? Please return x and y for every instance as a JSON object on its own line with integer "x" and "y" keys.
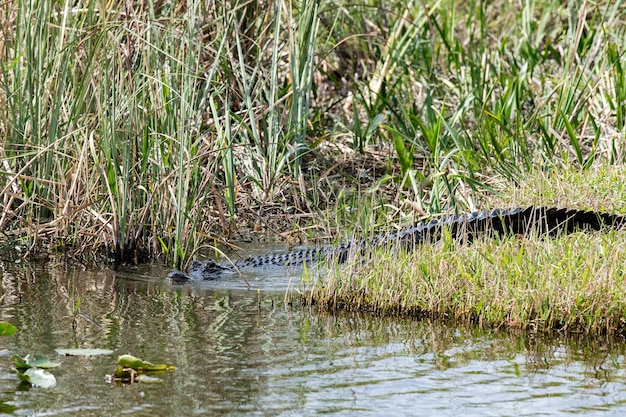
{"x": 241, "y": 352}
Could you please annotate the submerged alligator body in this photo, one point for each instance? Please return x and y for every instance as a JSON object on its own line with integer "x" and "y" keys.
{"x": 541, "y": 221}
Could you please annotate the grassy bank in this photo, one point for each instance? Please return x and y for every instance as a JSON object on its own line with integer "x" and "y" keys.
{"x": 573, "y": 283}
{"x": 137, "y": 130}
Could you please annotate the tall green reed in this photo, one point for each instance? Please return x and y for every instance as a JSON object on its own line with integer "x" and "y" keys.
{"x": 99, "y": 98}
{"x": 129, "y": 122}
{"x": 302, "y": 42}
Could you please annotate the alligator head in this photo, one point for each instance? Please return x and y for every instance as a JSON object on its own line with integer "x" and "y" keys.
{"x": 200, "y": 270}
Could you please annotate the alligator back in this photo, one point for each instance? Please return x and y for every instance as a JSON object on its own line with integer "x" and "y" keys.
{"x": 540, "y": 221}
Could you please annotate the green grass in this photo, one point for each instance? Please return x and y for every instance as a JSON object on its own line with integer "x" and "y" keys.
{"x": 572, "y": 283}
{"x": 143, "y": 130}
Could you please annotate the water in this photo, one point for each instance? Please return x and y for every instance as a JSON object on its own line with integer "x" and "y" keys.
{"x": 248, "y": 352}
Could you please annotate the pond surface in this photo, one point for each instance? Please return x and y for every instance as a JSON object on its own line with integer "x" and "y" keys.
{"x": 240, "y": 351}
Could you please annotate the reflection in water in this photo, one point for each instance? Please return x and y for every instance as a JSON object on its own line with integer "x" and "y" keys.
{"x": 244, "y": 352}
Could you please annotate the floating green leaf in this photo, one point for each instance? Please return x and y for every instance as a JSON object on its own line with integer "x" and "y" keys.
{"x": 38, "y": 378}
{"x": 129, "y": 361}
{"x": 83, "y": 352}
{"x": 33, "y": 361}
{"x": 7, "y": 329}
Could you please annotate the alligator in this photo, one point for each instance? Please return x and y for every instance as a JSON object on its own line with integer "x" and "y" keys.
{"x": 539, "y": 221}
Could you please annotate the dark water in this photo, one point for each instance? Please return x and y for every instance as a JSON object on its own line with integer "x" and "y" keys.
{"x": 247, "y": 352}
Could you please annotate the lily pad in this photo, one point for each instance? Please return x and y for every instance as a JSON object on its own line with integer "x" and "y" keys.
{"x": 7, "y": 329}
{"x": 38, "y": 378}
{"x": 33, "y": 361}
{"x": 83, "y": 352}
{"x": 129, "y": 361}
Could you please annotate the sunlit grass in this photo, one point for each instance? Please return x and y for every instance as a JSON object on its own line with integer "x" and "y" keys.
{"x": 573, "y": 283}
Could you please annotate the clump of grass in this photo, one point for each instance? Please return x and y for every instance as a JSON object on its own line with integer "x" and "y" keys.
{"x": 573, "y": 283}
{"x": 99, "y": 128}
{"x": 600, "y": 188}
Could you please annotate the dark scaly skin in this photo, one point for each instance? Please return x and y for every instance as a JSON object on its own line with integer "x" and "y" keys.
{"x": 519, "y": 221}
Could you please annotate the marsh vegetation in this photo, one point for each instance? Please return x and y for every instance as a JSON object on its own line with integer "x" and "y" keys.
{"x": 134, "y": 131}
